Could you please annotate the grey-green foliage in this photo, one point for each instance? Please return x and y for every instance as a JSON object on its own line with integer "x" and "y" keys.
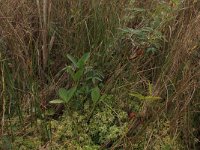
{"x": 146, "y": 37}
{"x": 147, "y": 33}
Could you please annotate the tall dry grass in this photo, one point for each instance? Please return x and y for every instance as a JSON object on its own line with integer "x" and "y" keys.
{"x": 175, "y": 74}
{"x": 37, "y": 35}
{"x": 35, "y": 38}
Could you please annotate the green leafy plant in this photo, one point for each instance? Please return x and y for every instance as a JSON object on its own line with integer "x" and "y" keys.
{"x": 64, "y": 95}
{"x": 150, "y": 97}
{"x": 95, "y": 94}
{"x": 77, "y": 68}
{"x": 146, "y": 37}
{"x": 85, "y": 82}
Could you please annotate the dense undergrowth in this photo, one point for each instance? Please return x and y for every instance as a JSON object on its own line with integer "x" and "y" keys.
{"x": 99, "y": 74}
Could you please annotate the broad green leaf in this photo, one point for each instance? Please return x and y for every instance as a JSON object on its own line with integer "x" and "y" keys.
{"x": 56, "y": 101}
{"x": 72, "y": 59}
{"x": 63, "y": 93}
{"x": 95, "y": 94}
{"x": 78, "y": 74}
{"x": 70, "y": 94}
{"x": 85, "y": 57}
{"x": 152, "y": 98}
{"x": 139, "y": 96}
{"x": 83, "y": 60}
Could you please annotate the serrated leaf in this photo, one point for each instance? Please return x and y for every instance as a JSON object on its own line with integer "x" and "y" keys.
{"x": 137, "y": 95}
{"x": 95, "y": 94}
{"x": 63, "y": 93}
{"x": 56, "y": 101}
{"x": 152, "y": 98}
{"x": 72, "y": 59}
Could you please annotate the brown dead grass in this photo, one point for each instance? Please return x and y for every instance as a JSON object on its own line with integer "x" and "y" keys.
{"x": 23, "y": 30}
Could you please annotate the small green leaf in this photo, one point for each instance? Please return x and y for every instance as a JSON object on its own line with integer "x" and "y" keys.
{"x": 95, "y": 94}
{"x": 72, "y": 59}
{"x": 78, "y": 74}
{"x": 63, "y": 93}
{"x": 70, "y": 94}
{"x": 83, "y": 60}
{"x": 56, "y": 101}
{"x": 152, "y": 98}
{"x": 139, "y": 96}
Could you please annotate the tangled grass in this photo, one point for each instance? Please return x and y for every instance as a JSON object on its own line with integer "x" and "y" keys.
{"x": 131, "y": 42}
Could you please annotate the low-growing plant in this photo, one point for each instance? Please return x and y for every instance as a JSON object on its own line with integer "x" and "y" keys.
{"x": 149, "y": 97}
{"x": 146, "y": 32}
{"x": 146, "y": 37}
{"x": 85, "y": 83}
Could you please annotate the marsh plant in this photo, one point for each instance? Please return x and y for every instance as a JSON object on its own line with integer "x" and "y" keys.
{"x": 85, "y": 85}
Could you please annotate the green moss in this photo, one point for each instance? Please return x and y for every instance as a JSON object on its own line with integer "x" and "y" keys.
{"x": 103, "y": 126}
{"x": 24, "y": 143}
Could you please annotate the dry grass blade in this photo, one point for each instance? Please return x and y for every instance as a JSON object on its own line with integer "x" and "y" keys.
{"x": 45, "y": 50}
